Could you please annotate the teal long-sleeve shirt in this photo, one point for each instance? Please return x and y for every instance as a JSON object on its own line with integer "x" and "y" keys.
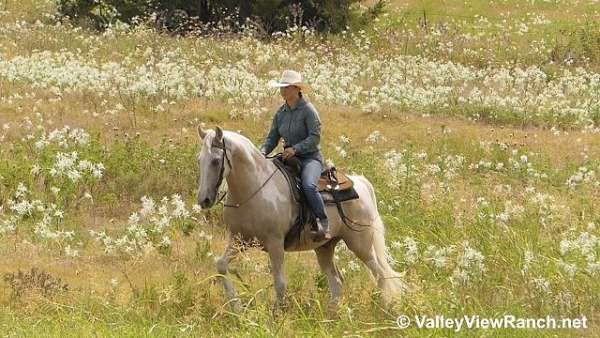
{"x": 299, "y": 127}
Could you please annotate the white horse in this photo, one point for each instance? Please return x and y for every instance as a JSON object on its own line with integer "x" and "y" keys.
{"x": 260, "y": 207}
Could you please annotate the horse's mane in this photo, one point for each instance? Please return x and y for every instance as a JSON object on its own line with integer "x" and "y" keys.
{"x": 229, "y": 136}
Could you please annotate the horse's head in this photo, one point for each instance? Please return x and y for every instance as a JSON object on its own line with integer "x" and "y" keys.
{"x": 214, "y": 165}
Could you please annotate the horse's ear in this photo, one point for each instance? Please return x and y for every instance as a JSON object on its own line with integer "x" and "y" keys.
{"x": 219, "y": 134}
{"x": 201, "y": 132}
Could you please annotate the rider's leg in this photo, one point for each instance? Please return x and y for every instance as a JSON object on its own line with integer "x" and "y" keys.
{"x": 311, "y": 171}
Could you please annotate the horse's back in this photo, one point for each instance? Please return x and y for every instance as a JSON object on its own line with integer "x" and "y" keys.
{"x": 365, "y": 191}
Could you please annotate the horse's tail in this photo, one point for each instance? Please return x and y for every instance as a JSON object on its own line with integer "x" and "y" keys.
{"x": 393, "y": 282}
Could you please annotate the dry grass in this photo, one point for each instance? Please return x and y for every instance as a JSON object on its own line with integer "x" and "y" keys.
{"x": 148, "y": 297}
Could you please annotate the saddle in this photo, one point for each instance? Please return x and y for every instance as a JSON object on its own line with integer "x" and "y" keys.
{"x": 334, "y": 186}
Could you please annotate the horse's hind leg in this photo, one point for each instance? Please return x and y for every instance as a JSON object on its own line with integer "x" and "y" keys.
{"x": 223, "y": 268}
{"x": 363, "y": 249}
{"x": 325, "y": 259}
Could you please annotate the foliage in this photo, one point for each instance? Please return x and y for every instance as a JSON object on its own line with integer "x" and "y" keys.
{"x": 183, "y": 16}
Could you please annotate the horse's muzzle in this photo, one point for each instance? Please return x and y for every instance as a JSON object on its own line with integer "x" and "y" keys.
{"x": 205, "y": 203}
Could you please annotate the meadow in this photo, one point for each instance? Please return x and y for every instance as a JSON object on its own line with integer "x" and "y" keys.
{"x": 477, "y": 122}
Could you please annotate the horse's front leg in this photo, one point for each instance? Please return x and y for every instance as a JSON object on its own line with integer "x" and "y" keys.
{"x": 326, "y": 262}
{"x": 223, "y": 268}
{"x": 276, "y": 256}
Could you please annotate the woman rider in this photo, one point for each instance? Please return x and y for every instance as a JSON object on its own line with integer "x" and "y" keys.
{"x": 297, "y": 122}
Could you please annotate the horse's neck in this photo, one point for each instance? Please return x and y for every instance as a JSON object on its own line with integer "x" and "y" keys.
{"x": 250, "y": 171}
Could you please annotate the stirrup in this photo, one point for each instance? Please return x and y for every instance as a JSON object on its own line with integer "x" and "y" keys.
{"x": 321, "y": 232}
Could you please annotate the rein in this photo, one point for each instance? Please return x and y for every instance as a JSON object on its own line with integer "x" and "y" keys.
{"x": 347, "y": 221}
{"x": 236, "y": 205}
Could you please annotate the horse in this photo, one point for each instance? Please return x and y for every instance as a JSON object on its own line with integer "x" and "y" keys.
{"x": 260, "y": 208}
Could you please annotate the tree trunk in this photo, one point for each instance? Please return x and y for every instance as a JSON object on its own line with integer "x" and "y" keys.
{"x": 205, "y": 9}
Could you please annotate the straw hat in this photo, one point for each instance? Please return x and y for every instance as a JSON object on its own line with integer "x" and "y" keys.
{"x": 290, "y": 78}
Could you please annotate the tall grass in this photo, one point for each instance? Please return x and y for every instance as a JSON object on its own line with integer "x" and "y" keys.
{"x": 490, "y": 210}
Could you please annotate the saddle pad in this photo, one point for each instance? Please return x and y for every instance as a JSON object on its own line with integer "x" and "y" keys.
{"x": 332, "y": 197}
{"x": 291, "y": 179}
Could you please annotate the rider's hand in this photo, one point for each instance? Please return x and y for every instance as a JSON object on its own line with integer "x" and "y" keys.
{"x": 288, "y": 152}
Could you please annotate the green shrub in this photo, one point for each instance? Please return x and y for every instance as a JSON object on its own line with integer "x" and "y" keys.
{"x": 181, "y": 16}
{"x": 577, "y": 45}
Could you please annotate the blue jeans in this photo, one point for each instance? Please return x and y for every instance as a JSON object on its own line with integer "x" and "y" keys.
{"x": 311, "y": 171}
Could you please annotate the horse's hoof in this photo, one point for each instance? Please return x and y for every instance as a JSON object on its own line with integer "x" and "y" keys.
{"x": 279, "y": 309}
{"x": 332, "y": 308}
{"x": 236, "y": 306}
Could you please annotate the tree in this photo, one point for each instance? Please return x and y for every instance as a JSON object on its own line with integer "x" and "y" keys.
{"x": 182, "y": 16}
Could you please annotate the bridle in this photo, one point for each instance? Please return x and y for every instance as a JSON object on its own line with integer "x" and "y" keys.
{"x": 221, "y": 146}
{"x": 225, "y": 157}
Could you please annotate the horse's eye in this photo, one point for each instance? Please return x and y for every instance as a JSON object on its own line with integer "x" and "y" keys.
{"x": 215, "y": 162}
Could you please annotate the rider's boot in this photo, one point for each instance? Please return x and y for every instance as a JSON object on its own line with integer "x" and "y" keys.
{"x": 323, "y": 228}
